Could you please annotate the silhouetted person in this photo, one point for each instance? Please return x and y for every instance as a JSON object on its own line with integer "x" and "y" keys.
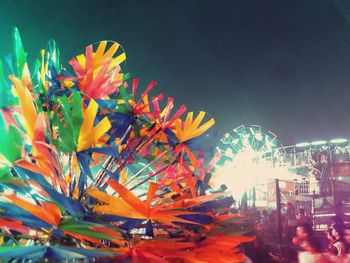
{"x": 312, "y": 252}
{"x": 338, "y": 247}
{"x": 303, "y": 232}
{"x": 302, "y": 218}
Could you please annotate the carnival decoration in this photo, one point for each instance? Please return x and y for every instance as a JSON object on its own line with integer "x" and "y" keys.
{"x": 248, "y": 153}
{"x": 91, "y": 168}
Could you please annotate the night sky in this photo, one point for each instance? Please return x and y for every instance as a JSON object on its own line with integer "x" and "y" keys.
{"x": 284, "y": 65}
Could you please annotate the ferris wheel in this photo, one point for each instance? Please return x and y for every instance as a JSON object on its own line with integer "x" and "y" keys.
{"x": 138, "y": 177}
{"x": 247, "y": 161}
{"x": 251, "y": 142}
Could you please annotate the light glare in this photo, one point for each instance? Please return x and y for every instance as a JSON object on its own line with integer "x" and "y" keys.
{"x": 338, "y": 140}
{"x": 317, "y": 143}
{"x": 302, "y": 144}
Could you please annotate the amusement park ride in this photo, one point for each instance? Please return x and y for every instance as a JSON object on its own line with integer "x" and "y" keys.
{"x": 315, "y": 176}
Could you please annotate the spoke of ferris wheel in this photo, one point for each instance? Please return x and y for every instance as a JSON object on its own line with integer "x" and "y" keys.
{"x": 138, "y": 148}
{"x": 109, "y": 160}
{"x": 150, "y": 177}
{"x": 153, "y": 175}
{"x": 147, "y": 166}
{"x": 236, "y": 147}
{"x": 115, "y": 168}
{"x": 263, "y": 148}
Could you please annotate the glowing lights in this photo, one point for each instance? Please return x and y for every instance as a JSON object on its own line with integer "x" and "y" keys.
{"x": 338, "y": 141}
{"x": 258, "y": 136}
{"x": 229, "y": 153}
{"x": 245, "y": 161}
{"x": 302, "y": 144}
{"x": 270, "y": 143}
{"x": 321, "y": 142}
{"x": 249, "y": 156}
{"x": 240, "y": 130}
{"x": 318, "y": 143}
{"x": 226, "y": 139}
{"x": 235, "y": 141}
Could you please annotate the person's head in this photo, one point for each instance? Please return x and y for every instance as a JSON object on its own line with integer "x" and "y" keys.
{"x": 338, "y": 231}
{"x": 304, "y": 231}
{"x": 301, "y": 211}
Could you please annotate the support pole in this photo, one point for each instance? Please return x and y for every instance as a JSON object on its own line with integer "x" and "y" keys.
{"x": 333, "y": 185}
{"x": 278, "y": 210}
{"x": 313, "y": 211}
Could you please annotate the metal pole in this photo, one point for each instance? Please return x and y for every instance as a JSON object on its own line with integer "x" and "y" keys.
{"x": 333, "y": 186}
{"x": 278, "y": 208}
{"x": 313, "y": 211}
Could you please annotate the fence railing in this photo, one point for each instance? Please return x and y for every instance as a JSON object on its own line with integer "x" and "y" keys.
{"x": 307, "y": 188}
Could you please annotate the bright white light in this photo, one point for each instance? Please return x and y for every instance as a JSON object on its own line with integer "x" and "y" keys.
{"x": 269, "y": 143}
{"x": 302, "y": 144}
{"x": 229, "y": 152}
{"x": 239, "y": 175}
{"x": 235, "y": 141}
{"x": 338, "y": 140}
{"x": 248, "y": 170}
{"x": 258, "y": 136}
{"x": 249, "y": 164}
{"x": 316, "y": 143}
{"x": 252, "y": 130}
{"x": 246, "y": 141}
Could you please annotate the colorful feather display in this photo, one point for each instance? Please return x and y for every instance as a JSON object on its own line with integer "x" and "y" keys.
{"x": 91, "y": 169}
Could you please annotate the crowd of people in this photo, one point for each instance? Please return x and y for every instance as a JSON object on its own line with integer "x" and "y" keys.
{"x": 298, "y": 241}
{"x": 311, "y": 249}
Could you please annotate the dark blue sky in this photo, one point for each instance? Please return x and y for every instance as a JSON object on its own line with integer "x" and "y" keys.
{"x": 284, "y": 65}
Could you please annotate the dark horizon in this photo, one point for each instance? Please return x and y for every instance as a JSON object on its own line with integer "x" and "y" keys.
{"x": 283, "y": 65}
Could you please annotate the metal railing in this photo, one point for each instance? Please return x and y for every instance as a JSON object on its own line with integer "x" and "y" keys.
{"x": 307, "y": 188}
{"x": 293, "y": 156}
